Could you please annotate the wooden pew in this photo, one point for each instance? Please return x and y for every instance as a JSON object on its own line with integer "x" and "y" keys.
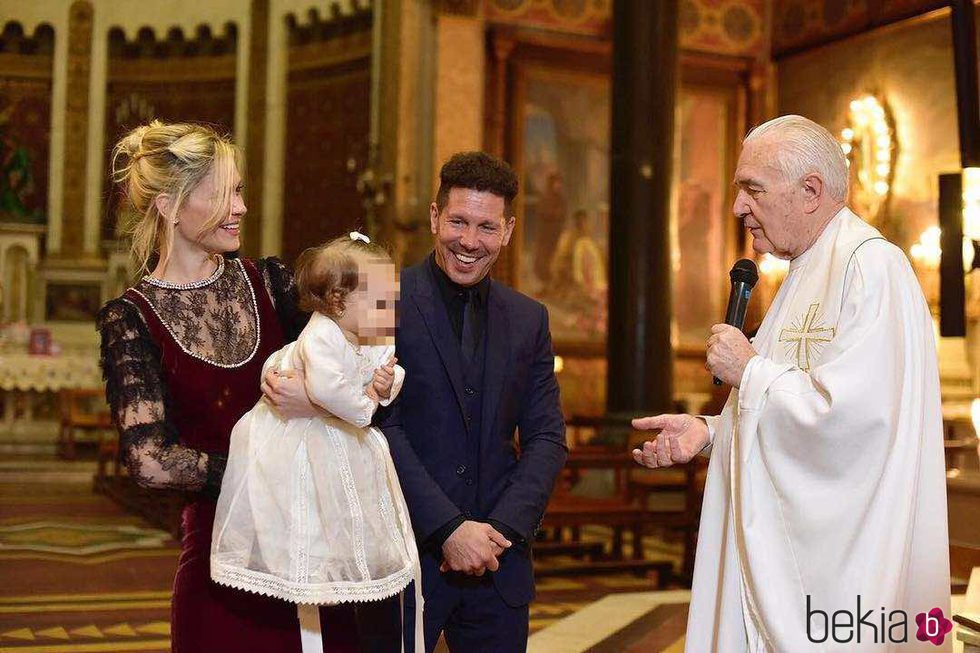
{"x": 82, "y": 411}
{"x": 628, "y": 507}
{"x": 622, "y": 512}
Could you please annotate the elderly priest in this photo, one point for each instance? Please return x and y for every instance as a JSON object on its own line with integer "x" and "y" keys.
{"x": 824, "y": 517}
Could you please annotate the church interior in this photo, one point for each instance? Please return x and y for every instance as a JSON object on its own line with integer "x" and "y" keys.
{"x": 345, "y": 110}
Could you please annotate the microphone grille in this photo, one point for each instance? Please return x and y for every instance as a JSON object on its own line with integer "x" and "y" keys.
{"x": 745, "y": 271}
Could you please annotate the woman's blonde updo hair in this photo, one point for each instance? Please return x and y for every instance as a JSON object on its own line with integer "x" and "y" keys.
{"x": 171, "y": 159}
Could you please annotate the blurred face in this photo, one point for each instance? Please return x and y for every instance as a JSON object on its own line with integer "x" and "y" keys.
{"x": 370, "y": 309}
{"x": 469, "y": 233}
{"x": 770, "y": 207}
{"x": 198, "y": 209}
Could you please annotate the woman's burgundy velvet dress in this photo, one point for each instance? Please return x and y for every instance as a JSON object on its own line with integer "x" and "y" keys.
{"x": 173, "y": 407}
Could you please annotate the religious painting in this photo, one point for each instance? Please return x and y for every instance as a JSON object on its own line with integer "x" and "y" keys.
{"x": 549, "y": 116}
{"x": 24, "y": 138}
{"x": 562, "y": 158}
{"x": 703, "y": 226}
{"x": 72, "y": 301}
{"x": 26, "y": 72}
{"x": 40, "y": 342}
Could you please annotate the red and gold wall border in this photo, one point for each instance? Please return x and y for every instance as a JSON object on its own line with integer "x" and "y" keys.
{"x": 727, "y": 27}
{"x": 803, "y": 24}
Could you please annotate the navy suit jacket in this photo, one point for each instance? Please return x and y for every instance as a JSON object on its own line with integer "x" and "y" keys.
{"x": 429, "y": 437}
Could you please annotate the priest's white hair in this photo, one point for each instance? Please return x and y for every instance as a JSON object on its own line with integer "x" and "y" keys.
{"x": 803, "y": 147}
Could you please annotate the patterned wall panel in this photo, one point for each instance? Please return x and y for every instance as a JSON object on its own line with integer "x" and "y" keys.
{"x": 731, "y": 27}
{"x": 592, "y": 17}
{"x": 327, "y": 126}
{"x": 172, "y": 80}
{"x": 734, "y": 27}
{"x": 25, "y": 123}
{"x": 799, "y": 24}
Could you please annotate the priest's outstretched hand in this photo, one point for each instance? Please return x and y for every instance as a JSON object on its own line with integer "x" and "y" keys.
{"x": 681, "y": 438}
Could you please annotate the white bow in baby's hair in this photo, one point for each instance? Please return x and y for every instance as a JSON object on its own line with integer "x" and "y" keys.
{"x": 357, "y": 235}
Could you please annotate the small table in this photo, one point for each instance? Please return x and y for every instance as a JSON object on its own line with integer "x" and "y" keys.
{"x": 24, "y": 377}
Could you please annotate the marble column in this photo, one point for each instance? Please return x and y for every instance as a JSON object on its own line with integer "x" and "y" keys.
{"x": 274, "y": 138}
{"x": 71, "y": 236}
{"x": 252, "y": 131}
{"x": 644, "y": 88}
{"x": 403, "y": 76}
{"x": 59, "y": 111}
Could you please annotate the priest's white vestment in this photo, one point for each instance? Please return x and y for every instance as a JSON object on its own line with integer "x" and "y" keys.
{"x": 827, "y": 475}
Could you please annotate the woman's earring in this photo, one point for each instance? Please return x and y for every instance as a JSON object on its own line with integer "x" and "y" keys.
{"x": 176, "y": 222}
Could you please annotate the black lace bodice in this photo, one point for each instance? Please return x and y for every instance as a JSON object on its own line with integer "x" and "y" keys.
{"x": 217, "y": 321}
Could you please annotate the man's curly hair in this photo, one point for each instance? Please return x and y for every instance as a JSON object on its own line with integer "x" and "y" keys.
{"x": 477, "y": 171}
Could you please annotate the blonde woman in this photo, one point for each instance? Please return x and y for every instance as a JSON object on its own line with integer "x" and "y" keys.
{"x": 182, "y": 353}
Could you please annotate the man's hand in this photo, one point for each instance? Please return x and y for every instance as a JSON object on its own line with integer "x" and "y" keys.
{"x": 681, "y": 438}
{"x": 384, "y": 378}
{"x": 729, "y": 351}
{"x": 286, "y": 391}
{"x": 473, "y": 548}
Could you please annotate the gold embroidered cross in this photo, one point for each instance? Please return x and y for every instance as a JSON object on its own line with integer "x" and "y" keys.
{"x": 806, "y": 335}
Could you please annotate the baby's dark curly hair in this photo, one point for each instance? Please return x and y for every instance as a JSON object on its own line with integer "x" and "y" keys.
{"x": 327, "y": 273}
{"x": 477, "y": 171}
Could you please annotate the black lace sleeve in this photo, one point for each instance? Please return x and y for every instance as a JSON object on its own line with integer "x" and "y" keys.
{"x": 137, "y": 397}
{"x": 281, "y": 285}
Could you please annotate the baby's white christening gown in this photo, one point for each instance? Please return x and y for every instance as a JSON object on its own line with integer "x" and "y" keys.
{"x": 310, "y": 509}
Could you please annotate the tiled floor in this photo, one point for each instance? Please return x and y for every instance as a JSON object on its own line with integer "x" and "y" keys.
{"x": 621, "y": 622}
{"x": 81, "y": 575}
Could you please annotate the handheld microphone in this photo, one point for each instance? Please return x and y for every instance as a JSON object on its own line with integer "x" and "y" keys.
{"x": 744, "y": 276}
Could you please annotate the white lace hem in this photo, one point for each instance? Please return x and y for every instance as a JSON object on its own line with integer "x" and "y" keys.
{"x": 259, "y": 582}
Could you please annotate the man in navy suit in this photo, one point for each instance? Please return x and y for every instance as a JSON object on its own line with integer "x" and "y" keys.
{"x": 479, "y": 367}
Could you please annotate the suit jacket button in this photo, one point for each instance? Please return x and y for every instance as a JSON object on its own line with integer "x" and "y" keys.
{"x": 470, "y": 391}
{"x": 469, "y": 481}
{"x": 461, "y": 470}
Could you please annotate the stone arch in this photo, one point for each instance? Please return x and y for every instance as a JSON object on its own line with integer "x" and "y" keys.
{"x": 176, "y": 42}
{"x": 14, "y": 39}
